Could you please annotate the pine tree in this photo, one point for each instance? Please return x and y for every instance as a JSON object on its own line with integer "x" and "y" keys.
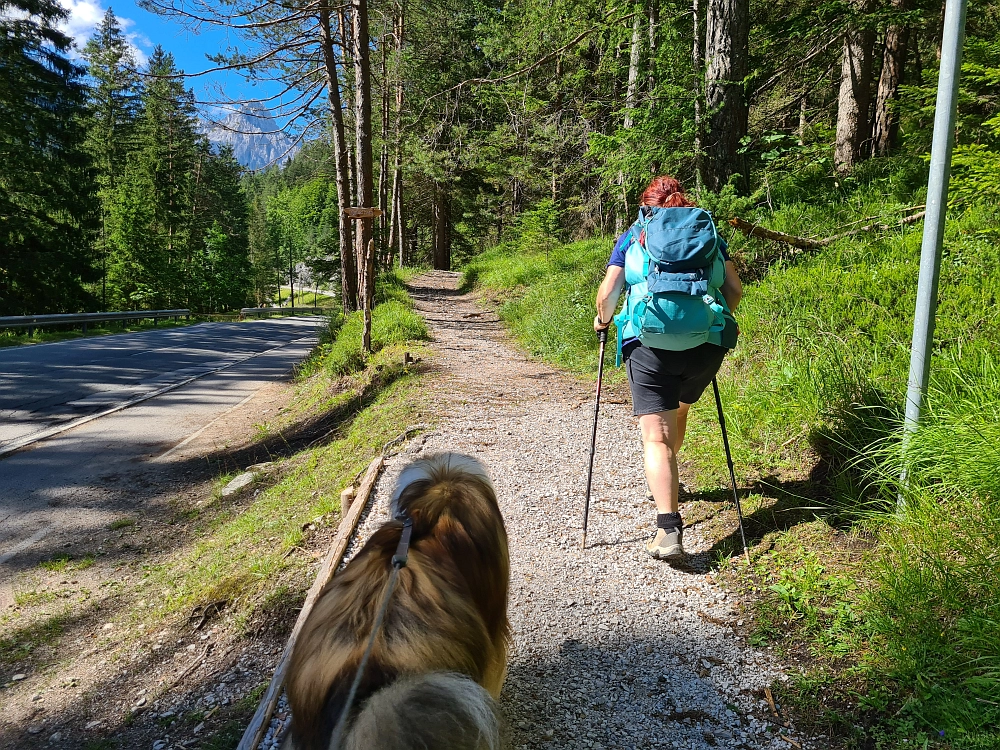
{"x": 167, "y": 141}
{"x": 46, "y": 203}
{"x": 219, "y": 232}
{"x": 113, "y": 107}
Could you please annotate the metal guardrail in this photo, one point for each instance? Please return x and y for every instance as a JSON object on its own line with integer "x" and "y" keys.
{"x": 31, "y": 322}
{"x": 248, "y": 312}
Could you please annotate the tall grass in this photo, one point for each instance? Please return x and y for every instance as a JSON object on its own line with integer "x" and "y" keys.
{"x": 936, "y": 606}
{"x": 813, "y": 395}
{"x": 393, "y": 322}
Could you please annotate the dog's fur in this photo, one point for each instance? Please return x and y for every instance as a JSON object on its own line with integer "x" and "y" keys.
{"x": 448, "y": 614}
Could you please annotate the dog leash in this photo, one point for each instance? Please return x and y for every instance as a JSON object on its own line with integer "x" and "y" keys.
{"x": 398, "y": 562}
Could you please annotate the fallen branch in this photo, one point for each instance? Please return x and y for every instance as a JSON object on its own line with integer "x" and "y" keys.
{"x": 258, "y": 725}
{"x": 805, "y": 243}
{"x": 753, "y": 230}
{"x": 770, "y": 700}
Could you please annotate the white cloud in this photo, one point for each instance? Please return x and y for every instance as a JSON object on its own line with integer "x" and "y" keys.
{"x": 85, "y": 16}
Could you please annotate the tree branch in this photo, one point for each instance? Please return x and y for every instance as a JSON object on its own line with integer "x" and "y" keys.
{"x": 537, "y": 63}
{"x": 805, "y": 243}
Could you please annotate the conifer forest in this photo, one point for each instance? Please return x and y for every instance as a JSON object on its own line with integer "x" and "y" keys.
{"x": 462, "y": 122}
{"x": 511, "y": 140}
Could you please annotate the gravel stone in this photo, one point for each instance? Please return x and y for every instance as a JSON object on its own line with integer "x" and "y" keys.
{"x": 610, "y": 646}
{"x": 237, "y": 483}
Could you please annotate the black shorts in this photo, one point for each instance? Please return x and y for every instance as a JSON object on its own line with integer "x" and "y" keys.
{"x": 661, "y": 380}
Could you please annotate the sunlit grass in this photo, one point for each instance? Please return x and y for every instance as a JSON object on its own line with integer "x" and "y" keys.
{"x": 813, "y": 396}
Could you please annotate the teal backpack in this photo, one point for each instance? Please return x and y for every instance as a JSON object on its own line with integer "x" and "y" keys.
{"x": 674, "y": 270}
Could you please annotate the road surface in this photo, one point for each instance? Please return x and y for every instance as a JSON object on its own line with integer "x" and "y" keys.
{"x": 60, "y": 484}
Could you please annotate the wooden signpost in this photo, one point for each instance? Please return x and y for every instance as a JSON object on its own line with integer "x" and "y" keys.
{"x": 366, "y": 266}
{"x": 358, "y": 213}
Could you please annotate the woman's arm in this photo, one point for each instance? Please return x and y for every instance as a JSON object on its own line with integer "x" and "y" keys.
{"x": 732, "y": 287}
{"x": 607, "y": 296}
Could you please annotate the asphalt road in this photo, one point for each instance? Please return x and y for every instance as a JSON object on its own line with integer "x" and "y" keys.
{"x": 58, "y": 484}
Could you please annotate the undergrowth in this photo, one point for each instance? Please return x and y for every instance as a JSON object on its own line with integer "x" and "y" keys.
{"x": 244, "y": 554}
{"x": 892, "y": 616}
{"x": 393, "y": 322}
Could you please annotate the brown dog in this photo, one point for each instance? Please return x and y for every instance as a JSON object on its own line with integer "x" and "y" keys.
{"x": 445, "y": 634}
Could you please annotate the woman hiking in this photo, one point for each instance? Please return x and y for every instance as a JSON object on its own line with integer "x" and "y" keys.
{"x": 673, "y": 332}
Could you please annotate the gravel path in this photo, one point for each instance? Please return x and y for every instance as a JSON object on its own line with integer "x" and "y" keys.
{"x": 612, "y": 649}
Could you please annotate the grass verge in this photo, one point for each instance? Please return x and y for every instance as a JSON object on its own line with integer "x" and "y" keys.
{"x": 889, "y": 619}
{"x": 244, "y": 556}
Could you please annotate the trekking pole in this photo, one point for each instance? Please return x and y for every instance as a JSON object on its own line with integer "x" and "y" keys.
{"x": 602, "y": 336}
{"x": 732, "y": 473}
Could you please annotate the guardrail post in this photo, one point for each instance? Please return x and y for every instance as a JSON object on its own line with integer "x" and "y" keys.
{"x": 31, "y": 332}
{"x": 85, "y": 326}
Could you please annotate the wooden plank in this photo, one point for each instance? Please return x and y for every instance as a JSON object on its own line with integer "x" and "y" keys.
{"x": 257, "y": 728}
{"x": 355, "y": 212}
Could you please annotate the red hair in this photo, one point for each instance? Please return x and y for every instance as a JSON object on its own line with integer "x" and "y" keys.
{"x": 665, "y": 192}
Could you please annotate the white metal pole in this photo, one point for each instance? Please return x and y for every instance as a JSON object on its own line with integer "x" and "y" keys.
{"x": 937, "y": 203}
{"x": 952, "y": 38}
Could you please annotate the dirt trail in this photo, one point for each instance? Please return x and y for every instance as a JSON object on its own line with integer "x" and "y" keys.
{"x": 612, "y": 649}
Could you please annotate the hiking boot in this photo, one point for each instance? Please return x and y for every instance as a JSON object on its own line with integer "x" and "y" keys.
{"x": 666, "y": 545}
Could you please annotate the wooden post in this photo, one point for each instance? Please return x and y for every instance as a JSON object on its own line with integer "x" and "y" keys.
{"x": 367, "y": 263}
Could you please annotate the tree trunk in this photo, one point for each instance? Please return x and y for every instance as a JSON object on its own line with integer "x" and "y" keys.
{"x": 654, "y": 22}
{"x": 727, "y": 27}
{"x": 698, "y": 58}
{"x": 397, "y": 227}
{"x": 363, "y": 149}
{"x": 383, "y": 162}
{"x": 853, "y": 127}
{"x": 442, "y": 229}
{"x": 350, "y": 121}
{"x": 633, "y": 71}
{"x": 939, "y": 38}
{"x": 893, "y": 64}
{"x": 348, "y": 268}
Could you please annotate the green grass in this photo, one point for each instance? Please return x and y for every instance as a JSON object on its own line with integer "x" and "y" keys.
{"x": 67, "y": 562}
{"x": 306, "y": 298}
{"x": 243, "y": 554}
{"x": 897, "y": 615}
{"x": 33, "y": 598}
{"x": 393, "y": 323}
{"x": 24, "y": 641}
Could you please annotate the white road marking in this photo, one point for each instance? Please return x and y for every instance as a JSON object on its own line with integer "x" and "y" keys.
{"x": 25, "y": 544}
{"x": 34, "y": 437}
{"x": 192, "y": 436}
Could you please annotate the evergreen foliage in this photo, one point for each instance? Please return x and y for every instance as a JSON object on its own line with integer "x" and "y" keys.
{"x": 110, "y": 197}
{"x": 46, "y": 187}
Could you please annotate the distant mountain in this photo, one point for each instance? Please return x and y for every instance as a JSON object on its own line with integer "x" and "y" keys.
{"x": 254, "y": 136}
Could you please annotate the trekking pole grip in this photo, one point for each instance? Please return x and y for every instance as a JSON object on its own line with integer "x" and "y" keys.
{"x": 602, "y": 335}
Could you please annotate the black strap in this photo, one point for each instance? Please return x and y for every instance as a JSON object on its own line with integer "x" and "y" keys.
{"x": 398, "y": 562}
{"x": 403, "y": 550}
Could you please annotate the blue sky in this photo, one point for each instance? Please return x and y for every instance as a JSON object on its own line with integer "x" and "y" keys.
{"x": 145, "y": 30}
